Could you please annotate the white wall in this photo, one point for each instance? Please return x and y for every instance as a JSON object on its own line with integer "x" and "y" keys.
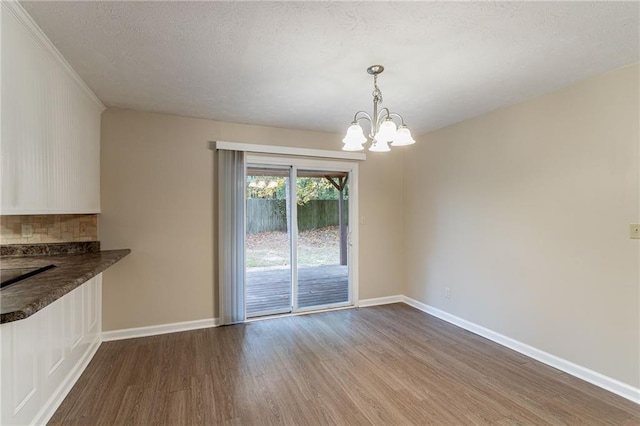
{"x": 524, "y": 214}
{"x": 158, "y": 179}
{"x": 50, "y": 145}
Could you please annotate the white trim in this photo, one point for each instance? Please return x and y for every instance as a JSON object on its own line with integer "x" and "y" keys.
{"x": 353, "y": 237}
{"x": 49, "y": 408}
{"x": 268, "y": 313}
{"x": 292, "y": 224}
{"x": 295, "y": 314}
{"x": 612, "y": 385}
{"x": 287, "y": 150}
{"x": 154, "y": 330}
{"x": 320, "y": 308}
{"x": 43, "y": 41}
{"x": 363, "y": 303}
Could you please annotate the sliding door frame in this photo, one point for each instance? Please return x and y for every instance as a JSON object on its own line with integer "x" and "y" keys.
{"x": 324, "y": 164}
{"x": 279, "y": 311}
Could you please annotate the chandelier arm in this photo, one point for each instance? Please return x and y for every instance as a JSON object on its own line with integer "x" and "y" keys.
{"x": 366, "y": 116}
{"x": 395, "y": 114}
{"x": 384, "y": 113}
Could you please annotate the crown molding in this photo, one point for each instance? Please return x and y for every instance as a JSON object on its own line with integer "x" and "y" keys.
{"x": 17, "y": 11}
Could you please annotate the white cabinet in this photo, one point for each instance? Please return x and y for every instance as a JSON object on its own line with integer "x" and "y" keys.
{"x": 50, "y": 150}
{"x": 43, "y": 355}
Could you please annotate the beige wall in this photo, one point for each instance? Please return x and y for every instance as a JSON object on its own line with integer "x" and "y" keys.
{"x": 157, "y": 178}
{"x": 524, "y": 213}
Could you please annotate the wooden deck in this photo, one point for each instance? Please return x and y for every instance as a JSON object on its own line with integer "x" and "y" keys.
{"x": 269, "y": 290}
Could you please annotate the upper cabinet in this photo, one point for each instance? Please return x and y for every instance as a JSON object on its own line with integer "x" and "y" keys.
{"x": 50, "y": 146}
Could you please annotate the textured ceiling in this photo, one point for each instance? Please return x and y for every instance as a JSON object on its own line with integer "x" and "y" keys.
{"x": 302, "y": 64}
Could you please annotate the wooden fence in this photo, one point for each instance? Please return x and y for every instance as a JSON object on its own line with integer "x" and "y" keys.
{"x": 264, "y": 215}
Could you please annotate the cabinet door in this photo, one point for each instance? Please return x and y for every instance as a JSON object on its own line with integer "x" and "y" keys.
{"x": 50, "y": 151}
{"x": 93, "y": 307}
{"x": 20, "y": 369}
{"x": 42, "y": 352}
{"x": 55, "y": 362}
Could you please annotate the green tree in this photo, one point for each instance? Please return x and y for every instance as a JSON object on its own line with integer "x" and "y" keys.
{"x": 311, "y": 188}
{"x": 308, "y": 188}
{"x": 266, "y": 187}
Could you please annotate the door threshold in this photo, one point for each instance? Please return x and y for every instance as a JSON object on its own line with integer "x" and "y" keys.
{"x": 295, "y": 314}
{"x": 269, "y": 313}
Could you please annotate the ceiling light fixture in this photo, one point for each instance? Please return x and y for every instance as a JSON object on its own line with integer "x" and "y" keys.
{"x": 383, "y": 128}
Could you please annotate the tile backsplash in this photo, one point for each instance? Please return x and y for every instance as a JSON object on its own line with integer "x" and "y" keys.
{"x": 55, "y": 228}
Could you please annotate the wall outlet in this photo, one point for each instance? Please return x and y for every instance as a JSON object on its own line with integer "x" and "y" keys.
{"x": 634, "y": 230}
{"x": 27, "y": 231}
{"x": 447, "y": 292}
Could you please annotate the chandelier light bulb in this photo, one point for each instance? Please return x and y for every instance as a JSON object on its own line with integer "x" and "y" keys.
{"x": 387, "y": 131}
{"x": 403, "y": 137}
{"x": 355, "y": 139}
{"x": 379, "y": 146}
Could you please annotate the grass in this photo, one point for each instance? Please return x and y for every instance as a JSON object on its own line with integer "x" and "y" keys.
{"x": 315, "y": 248}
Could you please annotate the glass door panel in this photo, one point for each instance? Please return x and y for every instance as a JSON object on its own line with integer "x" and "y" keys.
{"x": 268, "y": 273}
{"x": 322, "y": 245}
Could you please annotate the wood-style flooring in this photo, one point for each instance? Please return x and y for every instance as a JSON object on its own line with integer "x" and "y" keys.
{"x": 269, "y": 290}
{"x": 386, "y": 365}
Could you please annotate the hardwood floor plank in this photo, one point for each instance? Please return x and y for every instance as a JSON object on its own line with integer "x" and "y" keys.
{"x": 129, "y": 409}
{"x": 389, "y": 365}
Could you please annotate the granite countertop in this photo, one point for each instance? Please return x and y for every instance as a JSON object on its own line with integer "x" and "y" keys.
{"x": 26, "y": 297}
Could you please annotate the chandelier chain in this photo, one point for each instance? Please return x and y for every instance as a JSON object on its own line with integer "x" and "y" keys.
{"x": 377, "y": 94}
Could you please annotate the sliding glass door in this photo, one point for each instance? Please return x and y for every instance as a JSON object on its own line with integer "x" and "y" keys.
{"x": 268, "y": 273}
{"x": 299, "y": 242}
{"x": 322, "y": 223}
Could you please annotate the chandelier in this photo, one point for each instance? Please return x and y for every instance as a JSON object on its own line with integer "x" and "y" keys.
{"x": 383, "y": 127}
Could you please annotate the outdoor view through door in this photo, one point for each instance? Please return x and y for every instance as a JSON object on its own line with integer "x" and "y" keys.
{"x": 296, "y": 252}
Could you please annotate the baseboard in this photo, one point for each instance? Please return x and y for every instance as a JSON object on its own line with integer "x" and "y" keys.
{"x": 612, "y": 385}
{"x": 153, "y": 330}
{"x": 50, "y": 407}
{"x": 363, "y": 303}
